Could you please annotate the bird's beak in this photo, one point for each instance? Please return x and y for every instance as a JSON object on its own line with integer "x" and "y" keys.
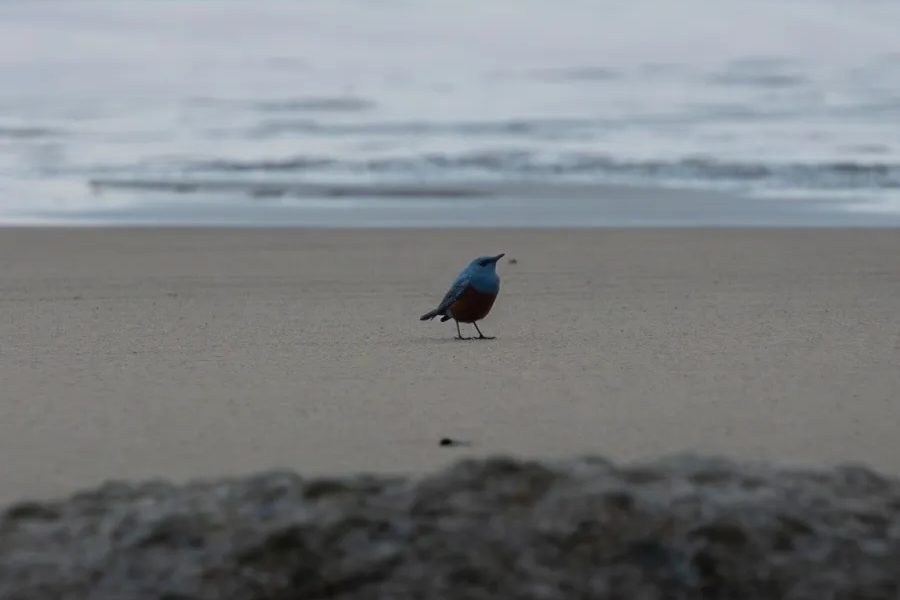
{"x": 499, "y": 256}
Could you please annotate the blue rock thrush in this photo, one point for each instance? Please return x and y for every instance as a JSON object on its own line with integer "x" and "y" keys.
{"x": 471, "y": 296}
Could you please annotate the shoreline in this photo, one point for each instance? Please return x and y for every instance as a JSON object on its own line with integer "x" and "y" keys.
{"x": 451, "y": 204}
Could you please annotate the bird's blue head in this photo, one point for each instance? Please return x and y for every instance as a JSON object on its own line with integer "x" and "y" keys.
{"x": 483, "y": 274}
{"x": 486, "y": 262}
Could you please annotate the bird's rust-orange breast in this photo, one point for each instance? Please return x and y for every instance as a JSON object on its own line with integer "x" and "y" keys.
{"x": 472, "y": 306}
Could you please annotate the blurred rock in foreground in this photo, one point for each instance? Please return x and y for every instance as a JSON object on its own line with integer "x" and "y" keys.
{"x": 680, "y": 528}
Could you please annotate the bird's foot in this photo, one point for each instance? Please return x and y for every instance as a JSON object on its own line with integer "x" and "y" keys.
{"x": 486, "y": 337}
{"x": 481, "y": 336}
{"x": 462, "y": 337}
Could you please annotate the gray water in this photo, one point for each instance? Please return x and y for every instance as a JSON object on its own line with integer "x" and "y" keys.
{"x": 397, "y": 112}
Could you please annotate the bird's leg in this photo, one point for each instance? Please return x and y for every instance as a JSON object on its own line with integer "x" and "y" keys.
{"x": 481, "y": 336}
{"x": 459, "y": 334}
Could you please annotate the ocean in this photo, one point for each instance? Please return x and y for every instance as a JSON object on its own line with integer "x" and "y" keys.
{"x": 439, "y": 113}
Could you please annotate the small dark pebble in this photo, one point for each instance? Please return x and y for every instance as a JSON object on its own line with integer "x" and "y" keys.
{"x": 448, "y": 442}
{"x": 513, "y": 261}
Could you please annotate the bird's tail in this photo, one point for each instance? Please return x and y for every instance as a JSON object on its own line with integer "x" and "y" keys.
{"x": 429, "y": 315}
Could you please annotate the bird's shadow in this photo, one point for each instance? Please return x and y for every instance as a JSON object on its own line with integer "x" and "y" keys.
{"x": 447, "y": 340}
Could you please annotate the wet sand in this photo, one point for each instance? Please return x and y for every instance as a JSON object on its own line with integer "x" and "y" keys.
{"x": 185, "y": 353}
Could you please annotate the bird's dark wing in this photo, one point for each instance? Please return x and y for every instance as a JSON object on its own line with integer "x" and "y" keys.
{"x": 455, "y": 291}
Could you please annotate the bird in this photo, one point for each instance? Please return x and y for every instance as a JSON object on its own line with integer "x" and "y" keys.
{"x": 471, "y": 296}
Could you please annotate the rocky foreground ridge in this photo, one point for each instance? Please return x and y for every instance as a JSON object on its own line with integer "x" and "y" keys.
{"x": 499, "y": 528}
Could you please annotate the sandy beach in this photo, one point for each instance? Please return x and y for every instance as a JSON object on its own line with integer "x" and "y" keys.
{"x": 185, "y": 353}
